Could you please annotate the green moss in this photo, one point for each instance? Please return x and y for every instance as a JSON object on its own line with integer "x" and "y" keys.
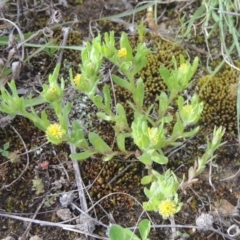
{"x": 219, "y": 100}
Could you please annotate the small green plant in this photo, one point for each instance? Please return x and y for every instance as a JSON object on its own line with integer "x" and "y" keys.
{"x": 51, "y": 200}
{"x": 141, "y": 29}
{"x": 12, "y": 156}
{"x": 216, "y": 17}
{"x": 38, "y": 185}
{"x": 4, "y": 151}
{"x": 50, "y": 51}
{"x": 117, "y": 232}
{"x": 150, "y": 134}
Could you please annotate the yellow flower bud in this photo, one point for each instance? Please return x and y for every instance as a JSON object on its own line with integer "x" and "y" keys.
{"x": 187, "y": 109}
{"x": 122, "y": 52}
{"x": 183, "y": 68}
{"x": 152, "y": 136}
{"x": 77, "y": 79}
{"x": 54, "y": 131}
{"x": 53, "y": 93}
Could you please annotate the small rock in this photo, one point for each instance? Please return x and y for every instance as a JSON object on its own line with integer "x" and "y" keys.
{"x": 204, "y": 221}
{"x": 9, "y": 238}
{"x": 4, "y": 227}
{"x": 64, "y": 214}
{"x": 66, "y": 199}
{"x": 35, "y": 238}
{"x": 226, "y": 208}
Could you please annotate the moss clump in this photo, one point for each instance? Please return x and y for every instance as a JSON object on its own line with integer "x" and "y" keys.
{"x": 219, "y": 99}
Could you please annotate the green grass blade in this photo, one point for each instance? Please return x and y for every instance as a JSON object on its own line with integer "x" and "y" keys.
{"x": 127, "y": 13}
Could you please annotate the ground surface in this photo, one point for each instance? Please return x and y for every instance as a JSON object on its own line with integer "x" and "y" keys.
{"x": 51, "y": 168}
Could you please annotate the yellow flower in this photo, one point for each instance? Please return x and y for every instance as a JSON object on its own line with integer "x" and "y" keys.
{"x": 54, "y": 131}
{"x": 77, "y": 79}
{"x": 167, "y": 208}
{"x": 152, "y": 137}
{"x": 183, "y": 68}
{"x": 122, "y": 52}
{"x": 52, "y": 93}
{"x": 53, "y": 89}
{"x": 187, "y": 109}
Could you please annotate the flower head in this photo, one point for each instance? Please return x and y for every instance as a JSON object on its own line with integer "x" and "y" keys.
{"x": 153, "y": 137}
{"x": 54, "y": 133}
{"x": 81, "y": 83}
{"x": 167, "y": 208}
{"x": 53, "y": 89}
{"x": 187, "y": 109}
{"x": 52, "y": 93}
{"x": 77, "y": 79}
{"x": 183, "y": 68}
{"x": 122, "y": 52}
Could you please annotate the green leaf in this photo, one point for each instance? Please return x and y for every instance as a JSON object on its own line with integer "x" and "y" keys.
{"x": 117, "y": 232}
{"x": 97, "y": 100}
{"x": 99, "y": 143}
{"x": 108, "y": 157}
{"x": 82, "y": 155}
{"x": 125, "y": 67}
{"x": 146, "y": 179}
{"x": 63, "y": 118}
{"x": 44, "y": 118}
{"x": 178, "y": 128}
{"x": 107, "y": 99}
{"x": 121, "y": 111}
{"x": 138, "y": 94}
{"x": 144, "y": 228}
{"x": 121, "y": 123}
{"x": 121, "y": 142}
{"x": 145, "y": 158}
{"x": 53, "y": 77}
{"x": 5, "y": 153}
{"x": 121, "y": 82}
{"x": 6, "y": 146}
{"x": 128, "y": 12}
{"x": 163, "y": 104}
{"x": 165, "y": 74}
{"x": 159, "y": 158}
{"x": 104, "y": 116}
{"x": 140, "y": 59}
{"x": 194, "y": 67}
{"x": 191, "y": 133}
{"x": 77, "y": 136}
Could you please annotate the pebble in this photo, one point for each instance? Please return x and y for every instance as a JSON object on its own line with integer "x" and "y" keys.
{"x": 64, "y": 214}
{"x": 8, "y": 238}
{"x": 35, "y": 238}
